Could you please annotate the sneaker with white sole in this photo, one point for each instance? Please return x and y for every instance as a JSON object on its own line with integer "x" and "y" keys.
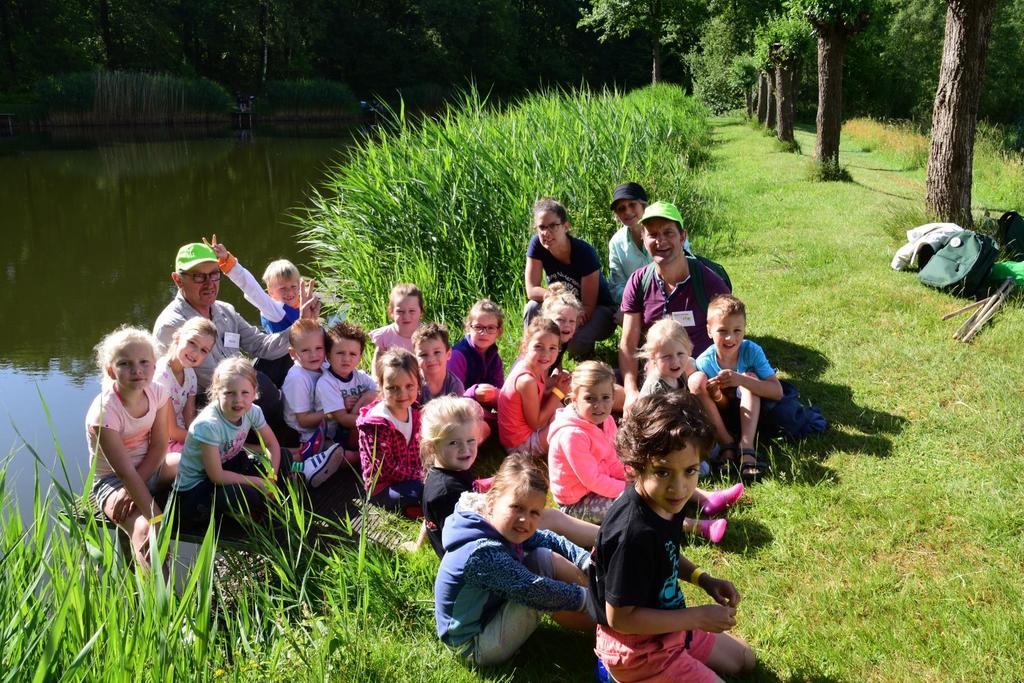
{"x": 319, "y": 468}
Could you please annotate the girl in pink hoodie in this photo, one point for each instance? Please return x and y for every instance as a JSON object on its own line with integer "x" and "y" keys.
{"x": 586, "y": 473}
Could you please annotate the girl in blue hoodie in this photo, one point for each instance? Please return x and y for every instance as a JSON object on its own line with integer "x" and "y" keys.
{"x": 499, "y": 571}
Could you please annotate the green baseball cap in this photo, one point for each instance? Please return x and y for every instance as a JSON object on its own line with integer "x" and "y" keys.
{"x": 191, "y": 255}
{"x": 663, "y": 210}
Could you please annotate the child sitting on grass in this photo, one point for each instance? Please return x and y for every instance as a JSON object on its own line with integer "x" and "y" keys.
{"x": 476, "y": 362}
{"x": 389, "y": 436}
{"x": 587, "y": 475}
{"x": 448, "y": 444}
{"x": 405, "y": 308}
{"x": 499, "y": 571}
{"x": 645, "y": 630}
{"x": 343, "y": 390}
{"x": 735, "y": 374}
{"x": 528, "y": 399}
{"x": 432, "y": 349}
{"x": 217, "y": 475}
{"x": 175, "y": 372}
{"x": 562, "y": 307}
{"x": 126, "y": 431}
{"x": 306, "y": 348}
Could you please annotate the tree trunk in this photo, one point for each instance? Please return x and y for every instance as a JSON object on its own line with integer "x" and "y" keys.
{"x": 656, "y": 60}
{"x": 264, "y": 29}
{"x": 831, "y": 48}
{"x": 111, "y": 60}
{"x": 955, "y": 116}
{"x": 762, "y": 98}
{"x": 750, "y": 101}
{"x": 770, "y": 101}
{"x": 784, "y": 103}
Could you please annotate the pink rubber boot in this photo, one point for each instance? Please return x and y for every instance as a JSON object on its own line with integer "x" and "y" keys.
{"x": 720, "y": 501}
{"x": 712, "y": 529}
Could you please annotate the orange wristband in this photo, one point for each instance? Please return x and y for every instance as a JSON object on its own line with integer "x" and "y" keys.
{"x": 227, "y": 263}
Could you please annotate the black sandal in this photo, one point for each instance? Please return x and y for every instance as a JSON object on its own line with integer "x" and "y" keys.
{"x": 727, "y": 467}
{"x": 753, "y": 472}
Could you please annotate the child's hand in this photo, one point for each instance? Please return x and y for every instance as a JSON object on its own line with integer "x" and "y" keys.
{"x": 562, "y": 381}
{"x": 350, "y": 402}
{"x": 219, "y": 249}
{"x": 715, "y": 618}
{"x": 486, "y": 393}
{"x": 729, "y": 378}
{"x": 722, "y": 591}
{"x": 123, "y": 505}
{"x": 309, "y": 303}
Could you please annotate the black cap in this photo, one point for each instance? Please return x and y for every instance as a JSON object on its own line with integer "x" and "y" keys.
{"x": 628, "y": 191}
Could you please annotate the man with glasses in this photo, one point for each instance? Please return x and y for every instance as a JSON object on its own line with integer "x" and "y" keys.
{"x": 197, "y": 275}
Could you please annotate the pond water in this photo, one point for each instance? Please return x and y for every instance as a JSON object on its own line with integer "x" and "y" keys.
{"x": 89, "y": 228}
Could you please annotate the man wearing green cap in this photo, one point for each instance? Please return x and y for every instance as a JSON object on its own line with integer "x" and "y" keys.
{"x": 197, "y": 275}
{"x": 668, "y": 290}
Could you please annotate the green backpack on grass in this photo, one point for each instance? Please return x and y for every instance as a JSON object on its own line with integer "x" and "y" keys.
{"x": 963, "y": 265}
{"x": 1011, "y": 235}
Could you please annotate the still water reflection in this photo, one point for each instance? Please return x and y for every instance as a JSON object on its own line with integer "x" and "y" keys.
{"x": 88, "y": 233}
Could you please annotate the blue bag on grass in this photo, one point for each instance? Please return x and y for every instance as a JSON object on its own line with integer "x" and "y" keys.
{"x": 788, "y": 418}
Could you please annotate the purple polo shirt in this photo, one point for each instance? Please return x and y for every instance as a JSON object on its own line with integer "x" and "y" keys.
{"x": 653, "y": 305}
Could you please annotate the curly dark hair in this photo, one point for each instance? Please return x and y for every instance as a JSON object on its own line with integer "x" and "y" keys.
{"x": 344, "y": 330}
{"x": 660, "y": 424}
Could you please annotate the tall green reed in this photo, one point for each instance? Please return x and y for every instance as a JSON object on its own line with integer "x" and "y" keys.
{"x": 445, "y": 202}
{"x": 130, "y": 97}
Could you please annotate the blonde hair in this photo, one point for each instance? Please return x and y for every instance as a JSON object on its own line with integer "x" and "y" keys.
{"x": 281, "y": 269}
{"x": 725, "y": 305}
{"x": 116, "y": 342}
{"x": 228, "y": 369}
{"x": 539, "y": 325}
{"x": 301, "y": 328}
{"x": 484, "y": 307}
{"x": 439, "y": 418}
{"x": 663, "y": 331}
{"x": 395, "y": 359}
{"x": 559, "y": 296}
{"x": 590, "y": 374}
{"x": 519, "y": 473}
{"x": 197, "y": 325}
{"x": 402, "y": 290}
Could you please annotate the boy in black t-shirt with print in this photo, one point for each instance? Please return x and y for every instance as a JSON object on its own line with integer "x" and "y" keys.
{"x": 645, "y": 630}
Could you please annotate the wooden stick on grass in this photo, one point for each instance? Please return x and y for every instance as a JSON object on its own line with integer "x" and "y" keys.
{"x": 1004, "y": 293}
{"x": 980, "y": 312}
{"x": 965, "y": 309}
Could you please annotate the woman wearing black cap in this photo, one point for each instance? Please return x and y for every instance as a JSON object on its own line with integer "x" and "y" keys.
{"x": 560, "y": 257}
{"x": 626, "y": 251}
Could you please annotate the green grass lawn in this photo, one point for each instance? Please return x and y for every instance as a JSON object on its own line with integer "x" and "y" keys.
{"x": 889, "y": 548}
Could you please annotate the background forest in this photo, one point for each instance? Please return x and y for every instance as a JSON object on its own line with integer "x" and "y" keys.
{"x": 425, "y": 48}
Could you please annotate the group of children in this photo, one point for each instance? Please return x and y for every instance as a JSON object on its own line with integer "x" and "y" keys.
{"x": 626, "y": 489}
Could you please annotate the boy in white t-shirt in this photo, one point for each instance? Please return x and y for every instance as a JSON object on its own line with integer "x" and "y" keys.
{"x": 306, "y": 347}
{"x": 343, "y": 388}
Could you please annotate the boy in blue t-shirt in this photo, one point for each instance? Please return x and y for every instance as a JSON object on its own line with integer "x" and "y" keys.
{"x": 736, "y": 374}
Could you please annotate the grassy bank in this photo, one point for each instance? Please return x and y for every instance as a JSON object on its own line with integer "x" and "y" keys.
{"x": 998, "y": 169}
{"x": 887, "y": 549}
{"x": 454, "y": 215}
{"x": 307, "y": 99}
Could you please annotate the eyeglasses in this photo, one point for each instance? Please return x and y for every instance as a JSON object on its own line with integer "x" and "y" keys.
{"x": 547, "y": 227}
{"x": 200, "y": 278}
{"x": 485, "y": 329}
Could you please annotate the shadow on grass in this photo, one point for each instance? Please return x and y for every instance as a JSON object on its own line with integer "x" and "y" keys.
{"x": 551, "y": 654}
{"x": 852, "y": 428}
{"x": 745, "y": 536}
{"x": 912, "y": 196}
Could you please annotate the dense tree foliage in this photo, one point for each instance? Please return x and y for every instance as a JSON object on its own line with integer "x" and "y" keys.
{"x": 425, "y": 47}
